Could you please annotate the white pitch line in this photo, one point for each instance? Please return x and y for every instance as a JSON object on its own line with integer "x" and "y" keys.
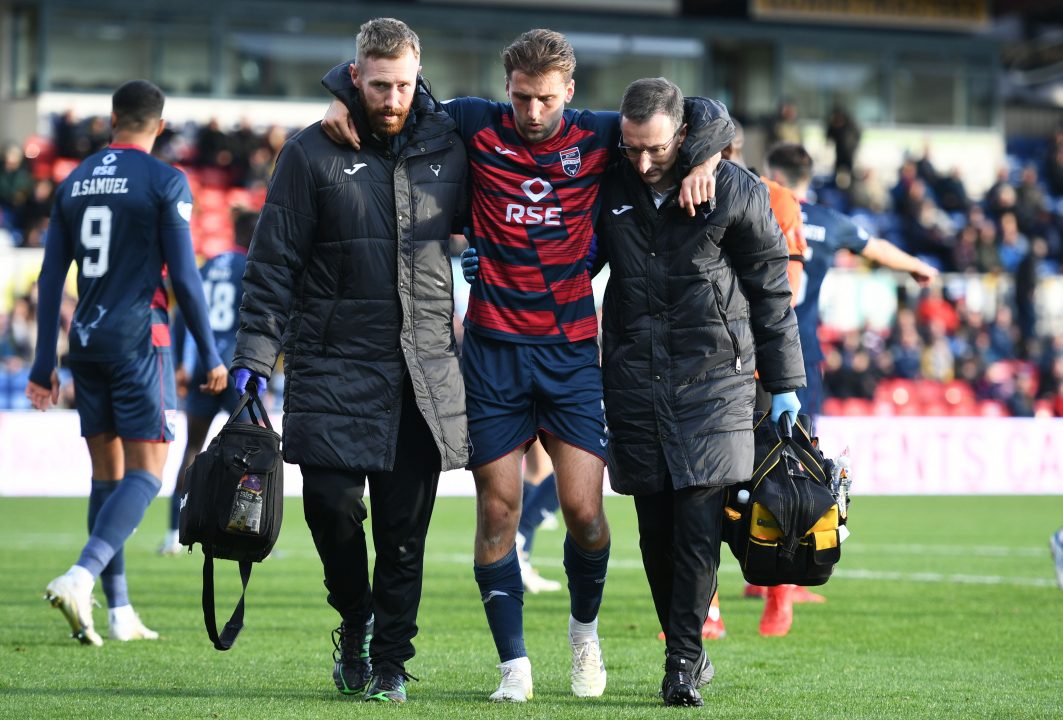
{"x": 729, "y": 568}
{"x": 948, "y": 550}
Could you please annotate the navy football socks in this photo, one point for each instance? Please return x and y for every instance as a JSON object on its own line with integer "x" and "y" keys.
{"x": 117, "y": 518}
{"x": 586, "y": 570}
{"x": 502, "y": 592}
{"x": 112, "y": 578}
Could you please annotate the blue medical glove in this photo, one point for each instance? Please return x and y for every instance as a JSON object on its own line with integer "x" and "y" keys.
{"x": 470, "y": 264}
{"x": 785, "y": 404}
{"x": 592, "y": 253}
{"x": 241, "y": 376}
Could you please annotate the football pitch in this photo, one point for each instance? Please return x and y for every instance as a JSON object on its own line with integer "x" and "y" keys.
{"x": 940, "y": 608}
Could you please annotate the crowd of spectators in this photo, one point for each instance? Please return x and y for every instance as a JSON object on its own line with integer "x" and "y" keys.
{"x": 241, "y": 157}
{"x": 1009, "y": 362}
{"x": 942, "y": 355}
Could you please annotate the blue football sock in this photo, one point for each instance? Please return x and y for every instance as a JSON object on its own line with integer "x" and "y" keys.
{"x": 502, "y": 592}
{"x": 117, "y": 518}
{"x": 546, "y": 499}
{"x": 113, "y": 576}
{"x": 538, "y": 500}
{"x": 526, "y": 524}
{"x": 586, "y": 570}
{"x": 175, "y": 509}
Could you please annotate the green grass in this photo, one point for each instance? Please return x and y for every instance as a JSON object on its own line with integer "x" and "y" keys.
{"x": 941, "y": 608}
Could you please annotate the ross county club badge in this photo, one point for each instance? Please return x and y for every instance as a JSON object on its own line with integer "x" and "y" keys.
{"x": 570, "y": 161}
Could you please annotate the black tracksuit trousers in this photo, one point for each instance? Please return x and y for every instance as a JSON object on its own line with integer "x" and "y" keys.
{"x": 679, "y": 535}
{"x": 402, "y": 502}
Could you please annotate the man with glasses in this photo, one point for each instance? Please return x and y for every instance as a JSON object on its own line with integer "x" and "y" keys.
{"x": 692, "y": 306}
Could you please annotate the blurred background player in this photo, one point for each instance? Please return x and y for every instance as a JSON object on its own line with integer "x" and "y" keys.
{"x": 120, "y": 215}
{"x": 539, "y": 505}
{"x": 223, "y": 285}
{"x": 1056, "y": 543}
{"x": 827, "y": 231}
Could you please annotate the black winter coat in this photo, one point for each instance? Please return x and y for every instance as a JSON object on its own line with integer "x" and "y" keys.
{"x": 349, "y": 270}
{"x": 692, "y": 306}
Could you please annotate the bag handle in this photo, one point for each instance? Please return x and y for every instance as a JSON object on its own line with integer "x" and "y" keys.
{"x": 236, "y": 621}
{"x": 248, "y": 400}
{"x": 800, "y": 442}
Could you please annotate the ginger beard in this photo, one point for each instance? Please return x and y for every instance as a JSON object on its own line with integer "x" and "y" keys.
{"x": 386, "y": 87}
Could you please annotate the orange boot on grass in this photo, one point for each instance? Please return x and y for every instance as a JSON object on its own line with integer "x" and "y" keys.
{"x": 778, "y": 611}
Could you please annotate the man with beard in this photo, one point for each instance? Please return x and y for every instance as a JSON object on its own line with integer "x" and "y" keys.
{"x": 349, "y": 271}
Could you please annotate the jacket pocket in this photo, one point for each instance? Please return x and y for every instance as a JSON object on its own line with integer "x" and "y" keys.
{"x": 721, "y": 308}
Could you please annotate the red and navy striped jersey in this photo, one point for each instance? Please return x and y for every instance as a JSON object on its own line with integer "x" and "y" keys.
{"x": 533, "y": 213}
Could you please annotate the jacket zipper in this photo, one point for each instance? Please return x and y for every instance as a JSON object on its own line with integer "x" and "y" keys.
{"x": 723, "y": 316}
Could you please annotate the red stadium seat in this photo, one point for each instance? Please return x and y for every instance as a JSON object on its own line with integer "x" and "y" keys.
{"x": 934, "y": 409}
{"x": 929, "y": 391}
{"x": 884, "y": 408}
{"x": 902, "y": 392}
{"x": 210, "y": 198}
{"x": 858, "y": 407}
{"x": 958, "y": 392}
{"x": 61, "y": 168}
{"x": 832, "y": 406}
{"x": 992, "y": 408}
{"x": 912, "y": 409}
{"x": 214, "y": 177}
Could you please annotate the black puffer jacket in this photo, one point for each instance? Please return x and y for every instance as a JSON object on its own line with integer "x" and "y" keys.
{"x": 349, "y": 269}
{"x": 692, "y": 306}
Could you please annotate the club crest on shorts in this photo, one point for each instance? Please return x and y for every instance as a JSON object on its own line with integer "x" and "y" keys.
{"x": 570, "y": 161}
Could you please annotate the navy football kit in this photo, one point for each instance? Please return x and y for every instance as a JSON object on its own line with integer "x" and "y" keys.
{"x": 827, "y": 231}
{"x": 121, "y": 215}
{"x": 223, "y": 287}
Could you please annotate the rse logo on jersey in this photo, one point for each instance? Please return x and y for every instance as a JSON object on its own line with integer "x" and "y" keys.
{"x": 536, "y": 189}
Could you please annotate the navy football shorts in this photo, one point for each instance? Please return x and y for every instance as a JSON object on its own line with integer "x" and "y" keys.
{"x": 517, "y": 390}
{"x": 134, "y": 398}
{"x": 204, "y": 405}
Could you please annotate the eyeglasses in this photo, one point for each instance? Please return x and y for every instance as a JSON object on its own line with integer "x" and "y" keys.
{"x": 656, "y": 152}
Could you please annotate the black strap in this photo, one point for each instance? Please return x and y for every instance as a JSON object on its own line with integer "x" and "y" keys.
{"x": 248, "y": 400}
{"x": 236, "y": 622}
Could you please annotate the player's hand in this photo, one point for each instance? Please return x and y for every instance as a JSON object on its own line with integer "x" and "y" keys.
{"x": 785, "y": 405}
{"x": 217, "y": 380}
{"x": 180, "y": 377}
{"x": 699, "y": 186}
{"x": 41, "y": 397}
{"x": 470, "y": 264}
{"x": 339, "y": 126}
{"x": 924, "y": 274}
{"x": 243, "y": 376}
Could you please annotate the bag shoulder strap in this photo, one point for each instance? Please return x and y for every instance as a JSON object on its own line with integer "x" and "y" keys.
{"x": 236, "y": 621}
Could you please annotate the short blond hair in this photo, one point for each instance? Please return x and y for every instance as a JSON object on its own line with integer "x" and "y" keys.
{"x": 386, "y": 38}
{"x": 540, "y": 52}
